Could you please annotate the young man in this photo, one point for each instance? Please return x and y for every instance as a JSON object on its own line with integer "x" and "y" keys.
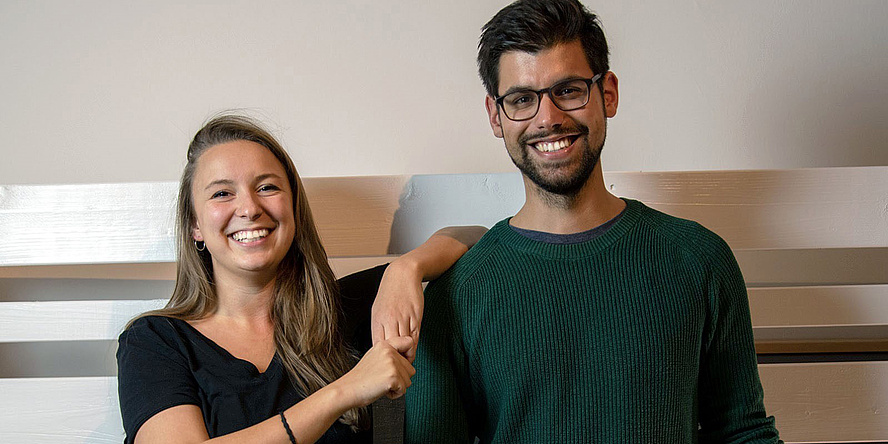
{"x": 585, "y": 318}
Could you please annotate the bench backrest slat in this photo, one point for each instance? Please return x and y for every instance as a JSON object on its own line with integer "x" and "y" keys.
{"x": 120, "y": 223}
{"x": 856, "y": 308}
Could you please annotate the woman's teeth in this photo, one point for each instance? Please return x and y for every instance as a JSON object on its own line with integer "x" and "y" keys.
{"x": 249, "y": 236}
{"x": 552, "y": 146}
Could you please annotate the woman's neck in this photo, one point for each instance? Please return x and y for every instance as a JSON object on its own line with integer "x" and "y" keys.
{"x": 242, "y": 298}
{"x": 241, "y": 323}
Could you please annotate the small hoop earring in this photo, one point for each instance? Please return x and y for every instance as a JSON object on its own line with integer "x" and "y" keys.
{"x": 200, "y": 245}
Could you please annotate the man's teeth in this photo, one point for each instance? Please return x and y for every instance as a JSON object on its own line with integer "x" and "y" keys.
{"x": 552, "y": 146}
{"x": 249, "y": 236}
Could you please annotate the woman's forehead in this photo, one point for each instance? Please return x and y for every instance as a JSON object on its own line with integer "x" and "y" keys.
{"x": 237, "y": 161}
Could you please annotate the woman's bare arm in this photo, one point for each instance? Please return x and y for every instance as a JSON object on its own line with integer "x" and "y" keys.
{"x": 399, "y": 303}
{"x": 383, "y": 371}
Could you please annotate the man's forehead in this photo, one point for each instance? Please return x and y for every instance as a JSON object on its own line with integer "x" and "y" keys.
{"x": 542, "y": 68}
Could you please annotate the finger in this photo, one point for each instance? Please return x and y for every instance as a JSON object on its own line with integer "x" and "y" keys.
{"x": 405, "y": 374}
{"x": 404, "y": 326}
{"x": 414, "y": 332}
{"x": 392, "y": 330}
{"x": 410, "y": 370}
{"x": 387, "y": 330}
{"x": 405, "y": 330}
{"x": 394, "y": 391}
{"x": 415, "y": 335}
{"x": 401, "y": 343}
{"x": 377, "y": 332}
{"x": 403, "y": 382}
{"x": 407, "y": 382}
{"x": 415, "y": 323}
{"x": 397, "y": 387}
{"x": 411, "y": 354}
{"x": 404, "y": 368}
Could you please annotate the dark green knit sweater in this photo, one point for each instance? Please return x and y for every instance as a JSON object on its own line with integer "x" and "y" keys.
{"x": 641, "y": 335}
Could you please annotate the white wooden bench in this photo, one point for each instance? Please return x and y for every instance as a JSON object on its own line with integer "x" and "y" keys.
{"x": 77, "y": 261}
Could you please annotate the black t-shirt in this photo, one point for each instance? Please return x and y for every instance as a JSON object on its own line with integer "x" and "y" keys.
{"x": 164, "y": 362}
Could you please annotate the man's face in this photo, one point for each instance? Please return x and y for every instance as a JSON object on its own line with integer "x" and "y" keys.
{"x": 557, "y": 150}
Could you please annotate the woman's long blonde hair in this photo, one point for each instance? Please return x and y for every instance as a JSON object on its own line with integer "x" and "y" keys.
{"x": 305, "y": 311}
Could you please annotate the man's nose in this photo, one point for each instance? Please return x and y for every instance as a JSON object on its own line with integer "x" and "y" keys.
{"x": 549, "y": 116}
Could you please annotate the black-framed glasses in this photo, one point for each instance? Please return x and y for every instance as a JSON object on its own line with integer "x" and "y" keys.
{"x": 568, "y": 95}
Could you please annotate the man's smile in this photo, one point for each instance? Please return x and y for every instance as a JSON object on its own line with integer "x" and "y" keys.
{"x": 548, "y": 146}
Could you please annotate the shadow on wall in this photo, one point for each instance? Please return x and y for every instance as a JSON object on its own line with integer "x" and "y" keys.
{"x": 430, "y": 202}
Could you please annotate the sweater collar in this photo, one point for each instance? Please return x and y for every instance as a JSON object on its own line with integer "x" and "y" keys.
{"x": 513, "y": 239}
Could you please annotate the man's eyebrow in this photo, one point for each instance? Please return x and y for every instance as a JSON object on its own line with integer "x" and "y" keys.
{"x": 516, "y": 88}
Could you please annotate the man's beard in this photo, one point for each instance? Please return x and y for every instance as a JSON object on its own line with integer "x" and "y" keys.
{"x": 566, "y": 186}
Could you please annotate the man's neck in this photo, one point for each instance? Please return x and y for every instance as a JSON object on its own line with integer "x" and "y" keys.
{"x": 592, "y": 206}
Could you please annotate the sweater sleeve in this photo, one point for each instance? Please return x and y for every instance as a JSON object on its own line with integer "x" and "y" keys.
{"x": 730, "y": 393}
{"x": 438, "y": 404}
{"x": 152, "y": 375}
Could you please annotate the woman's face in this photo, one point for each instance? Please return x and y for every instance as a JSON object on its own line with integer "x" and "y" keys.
{"x": 243, "y": 204}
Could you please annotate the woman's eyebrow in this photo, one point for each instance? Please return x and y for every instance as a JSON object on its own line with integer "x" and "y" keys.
{"x": 227, "y": 182}
{"x": 262, "y": 177}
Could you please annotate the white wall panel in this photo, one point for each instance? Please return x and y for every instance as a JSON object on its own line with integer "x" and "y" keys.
{"x": 103, "y": 91}
{"x": 60, "y": 410}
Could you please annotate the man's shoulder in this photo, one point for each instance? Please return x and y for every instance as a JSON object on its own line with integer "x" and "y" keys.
{"x": 477, "y": 259}
{"x": 686, "y": 234}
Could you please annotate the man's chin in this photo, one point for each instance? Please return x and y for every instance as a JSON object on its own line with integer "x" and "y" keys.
{"x": 563, "y": 181}
{"x": 560, "y": 183}
{"x": 566, "y": 189}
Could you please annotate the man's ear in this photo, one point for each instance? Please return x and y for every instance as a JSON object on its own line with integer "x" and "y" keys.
{"x": 493, "y": 116}
{"x": 610, "y": 93}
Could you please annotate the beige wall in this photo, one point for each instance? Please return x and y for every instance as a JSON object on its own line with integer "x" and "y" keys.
{"x": 110, "y": 91}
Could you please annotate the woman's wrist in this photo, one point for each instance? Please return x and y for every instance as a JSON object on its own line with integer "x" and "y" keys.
{"x": 336, "y": 397}
{"x": 406, "y": 267}
{"x": 310, "y": 418}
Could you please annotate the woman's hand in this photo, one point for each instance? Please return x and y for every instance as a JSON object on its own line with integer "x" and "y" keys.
{"x": 383, "y": 371}
{"x": 397, "y": 310}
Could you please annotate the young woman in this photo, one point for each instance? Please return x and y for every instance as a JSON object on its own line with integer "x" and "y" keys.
{"x": 258, "y": 342}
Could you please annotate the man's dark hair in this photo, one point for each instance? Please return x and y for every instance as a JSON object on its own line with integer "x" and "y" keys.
{"x": 535, "y": 25}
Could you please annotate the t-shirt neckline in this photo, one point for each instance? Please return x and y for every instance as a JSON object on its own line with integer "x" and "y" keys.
{"x": 228, "y": 355}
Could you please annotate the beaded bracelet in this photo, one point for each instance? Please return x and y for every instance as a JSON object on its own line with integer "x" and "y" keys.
{"x": 287, "y": 428}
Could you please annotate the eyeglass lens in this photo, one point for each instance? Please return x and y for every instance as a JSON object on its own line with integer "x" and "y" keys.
{"x": 567, "y": 96}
